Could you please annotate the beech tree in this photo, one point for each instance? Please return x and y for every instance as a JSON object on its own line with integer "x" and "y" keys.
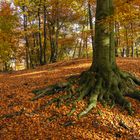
{"x": 104, "y": 81}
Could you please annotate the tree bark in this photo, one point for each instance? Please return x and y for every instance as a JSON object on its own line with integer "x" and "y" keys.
{"x": 54, "y": 32}
{"x": 91, "y": 26}
{"x": 26, "y": 38}
{"x": 45, "y": 35}
{"x": 127, "y": 44}
{"x": 40, "y": 38}
{"x": 75, "y": 47}
{"x": 104, "y": 56}
{"x": 81, "y": 41}
{"x": 117, "y": 38}
{"x": 53, "y": 44}
{"x": 104, "y": 81}
{"x": 132, "y": 39}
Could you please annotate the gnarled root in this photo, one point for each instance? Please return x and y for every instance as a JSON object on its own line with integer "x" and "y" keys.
{"x": 52, "y": 89}
{"x": 135, "y": 95}
{"x": 93, "y": 98}
{"x": 108, "y": 87}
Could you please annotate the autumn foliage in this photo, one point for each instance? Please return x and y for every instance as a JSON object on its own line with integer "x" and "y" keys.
{"x": 44, "y": 43}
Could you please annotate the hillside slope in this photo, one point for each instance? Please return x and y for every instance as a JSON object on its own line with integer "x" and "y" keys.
{"x": 19, "y": 121}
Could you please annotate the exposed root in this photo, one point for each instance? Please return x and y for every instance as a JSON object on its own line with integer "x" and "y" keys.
{"x": 126, "y": 75}
{"x": 108, "y": 87}
{"x": 14, "y": 114}
{"x": 73, "y": 109}
{"x": 135, "y": 95}
{"x": 52, "y": 89}
{"x": 93, "y": 98}
{"x": 59, "y": 101}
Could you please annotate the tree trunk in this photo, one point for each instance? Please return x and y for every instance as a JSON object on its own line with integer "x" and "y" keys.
{"x": 91, "y": 26}
{"x": 132, "y": 40}
{"x": 54, "y": 30}
{"x": 137, "y": 51}
{"x": 104, "y": 56}
{"x": 40, "y": 39}
{"x": 75, "y": 47}
{"x": 81, "y": 41}
{"x": 86, "y": 45}
{"x": 37, "y": 50}
{"x": 45, "y": 35}
{"x": 53, "y": 44}
{"x": 123, "y": 52}
{"x": 117, "y": 38}
{"x": 26, "y": 38}
{"x": 127, "y": 44}
{"x": 105, "y": 82}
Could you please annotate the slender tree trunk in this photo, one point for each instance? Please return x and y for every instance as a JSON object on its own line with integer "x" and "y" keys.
{"x": 86, "y": 46}
{"x": 34, "y": 62}
{"x": 86, "y": 43}
{"x": 75, "y": 47}
{"x": 5, "y": 66}
{"x": 81, "y": 41}
{"x": 54, "y": 30}
{"x": 45, "y": 35}
{"x": 124, "y": 52}
{"x": 40, "y": 38}
{"x": 37, "y": 50}
{"x": 26, "y": 38}
{"x": 117, "y": 38}
{"x": 53, "y": 45}
{"x": 132, "y": 40}
{"x": 127, "y": 44}
{"x": 137, "y": 52}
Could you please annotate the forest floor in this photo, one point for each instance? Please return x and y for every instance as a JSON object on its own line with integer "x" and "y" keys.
{"x": 18, "y": 121}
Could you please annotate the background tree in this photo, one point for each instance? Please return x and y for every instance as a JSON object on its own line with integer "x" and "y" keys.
{"x": 56, "y": 30}
{"x": 8, "y": 34}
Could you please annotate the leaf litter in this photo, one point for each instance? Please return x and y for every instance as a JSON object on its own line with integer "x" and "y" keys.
{"x": 19, "y": 120}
